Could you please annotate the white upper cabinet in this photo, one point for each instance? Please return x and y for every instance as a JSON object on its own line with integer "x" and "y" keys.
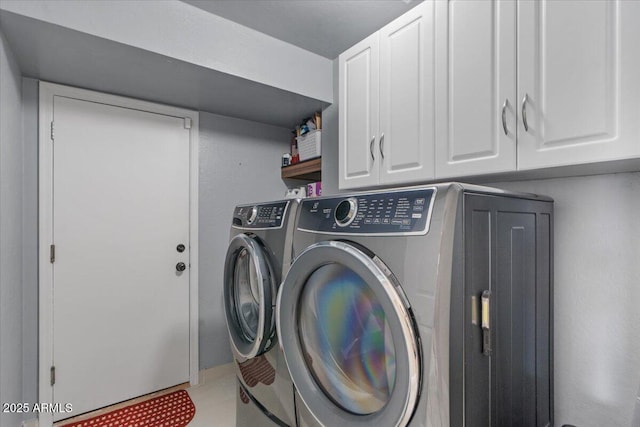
{"x": 406, "y": 97}
{"x": 475, "y": 87}
{"x": 579, "y": 81}
{"x": 457, "y": 88}
{"x": 386, "y": 104}
{"x": 358, "y": 117}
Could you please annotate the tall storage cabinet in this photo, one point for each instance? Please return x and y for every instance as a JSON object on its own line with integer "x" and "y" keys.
{"x": 501, "y": 370}
{"x": 386, "y": 86}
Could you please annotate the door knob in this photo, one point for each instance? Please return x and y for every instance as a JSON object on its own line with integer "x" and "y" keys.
{"x": 180, "y": 248}
{"x": 181, "y": 266}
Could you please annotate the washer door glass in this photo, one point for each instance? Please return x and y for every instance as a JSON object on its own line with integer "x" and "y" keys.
{"x": 349, "y": 338}
{"x": 249, "y": 293}
{"x": 346, "y": 339}
{"x": 246, "y": 295}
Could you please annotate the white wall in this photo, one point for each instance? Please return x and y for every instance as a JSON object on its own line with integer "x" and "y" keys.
{"x": 596, "y": 297}
{"x": 10, "y": 233}
{"x": 239, "y": 163}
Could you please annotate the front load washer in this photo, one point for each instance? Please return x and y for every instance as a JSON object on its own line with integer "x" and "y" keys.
{"x": 259, "y": 255}
{"x": 422, "y": 306}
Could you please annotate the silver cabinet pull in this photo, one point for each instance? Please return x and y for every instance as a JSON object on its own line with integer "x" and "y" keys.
{"x": 524, "y": 112}
{"x": 382, "y": 145}
{"x": 485, "y": 303}
{"x": 371, "y": 148}
{"x": 504, "y": 116}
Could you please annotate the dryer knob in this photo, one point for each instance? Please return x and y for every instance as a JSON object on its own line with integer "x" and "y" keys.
{"x": 252, "y": 214}
{"x": 346, "y": 212}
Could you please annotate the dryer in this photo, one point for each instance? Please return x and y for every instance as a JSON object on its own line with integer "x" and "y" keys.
{"x": 421, "y": 306}
{"x": 258, "y": 257}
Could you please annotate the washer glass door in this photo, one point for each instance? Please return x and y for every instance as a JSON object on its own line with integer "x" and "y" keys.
{"x": 249, "y": 293}
{"x": 346, "y": 339}
{"x": 348, "y": 336}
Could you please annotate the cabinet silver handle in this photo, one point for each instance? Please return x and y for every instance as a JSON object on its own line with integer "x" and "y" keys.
{"x": 382, "y": 145}
{"x": 504, "y": 116}
{"x": 371, "y": 148}
{"x": 485, "y": 303}
{"x": 524, "y": 112}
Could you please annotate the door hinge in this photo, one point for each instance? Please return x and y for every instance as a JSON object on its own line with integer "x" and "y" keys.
{"x": 52, "y": 253}
{"x": 52, "y": 131}
{"x": 53, "y": 375}
{"x": 187, "y": 123}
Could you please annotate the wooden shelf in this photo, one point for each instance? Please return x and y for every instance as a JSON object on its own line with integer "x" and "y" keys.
{"x": 311, "y": 170}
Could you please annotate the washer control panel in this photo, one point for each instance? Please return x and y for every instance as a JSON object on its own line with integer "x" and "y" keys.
{"x": 268, "y": 215}
{"x": 394, "y": 212}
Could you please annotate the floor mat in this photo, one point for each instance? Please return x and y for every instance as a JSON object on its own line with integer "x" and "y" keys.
{"x": 171, "y": 410}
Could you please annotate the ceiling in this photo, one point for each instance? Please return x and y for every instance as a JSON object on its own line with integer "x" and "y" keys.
{"x": 325, "y": 27}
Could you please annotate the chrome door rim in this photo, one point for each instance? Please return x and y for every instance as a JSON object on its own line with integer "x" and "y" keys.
{"x": 403, "y": 401}
{"x": 265, "y": 276}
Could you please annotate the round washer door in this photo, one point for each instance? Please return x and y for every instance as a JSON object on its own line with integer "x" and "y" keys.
{"x": 349, "y": 338}
{"x": 249, "y": 294}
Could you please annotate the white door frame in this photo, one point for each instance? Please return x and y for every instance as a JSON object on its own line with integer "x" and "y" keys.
{"x": 45, "y": 220}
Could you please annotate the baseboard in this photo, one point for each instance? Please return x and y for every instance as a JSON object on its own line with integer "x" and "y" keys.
{"x": 33, "y": 422}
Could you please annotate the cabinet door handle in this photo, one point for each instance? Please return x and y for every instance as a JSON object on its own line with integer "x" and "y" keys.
{"x": 371, "y": 148}
{"x": 524, "y": 112}
{"x": 382, "y": 146}
{"x": 504, "y": 116}
{"x": 485, "y": 304}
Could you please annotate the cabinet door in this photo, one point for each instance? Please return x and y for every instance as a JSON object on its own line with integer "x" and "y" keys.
{"x": 508, "y": 252}
{"x": 406, "y": 97}
{"x": 475, "y": 79}
{"x": 358, "y": 125}
{"x": 578, "y": 67}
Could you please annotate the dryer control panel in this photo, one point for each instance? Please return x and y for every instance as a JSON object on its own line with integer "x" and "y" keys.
{"x": 394, "y": 212}
{"x": 268, "y": 215}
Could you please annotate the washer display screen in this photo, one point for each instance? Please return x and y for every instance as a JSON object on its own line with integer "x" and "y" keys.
{"x": 346, "y": 339}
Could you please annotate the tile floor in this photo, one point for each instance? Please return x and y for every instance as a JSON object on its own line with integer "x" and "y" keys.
{"x": 215, "y": 398}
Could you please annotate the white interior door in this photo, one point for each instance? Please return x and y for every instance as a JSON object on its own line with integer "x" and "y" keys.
{"x": 120, "y": 209}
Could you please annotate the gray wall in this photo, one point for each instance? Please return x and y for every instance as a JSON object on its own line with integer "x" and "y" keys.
{"x": 30, "y": 241}
{"x": 330, "y": 119}
{"x": 239, "y": 163}
{"x": 10, "y": 233}
{"x": 596, "y": 292}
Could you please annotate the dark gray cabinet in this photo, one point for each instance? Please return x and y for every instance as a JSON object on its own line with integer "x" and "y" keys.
{"x": 501, "y": 369}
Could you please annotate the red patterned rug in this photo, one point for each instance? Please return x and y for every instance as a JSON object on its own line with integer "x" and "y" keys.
{"x": 171, "y": 410}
